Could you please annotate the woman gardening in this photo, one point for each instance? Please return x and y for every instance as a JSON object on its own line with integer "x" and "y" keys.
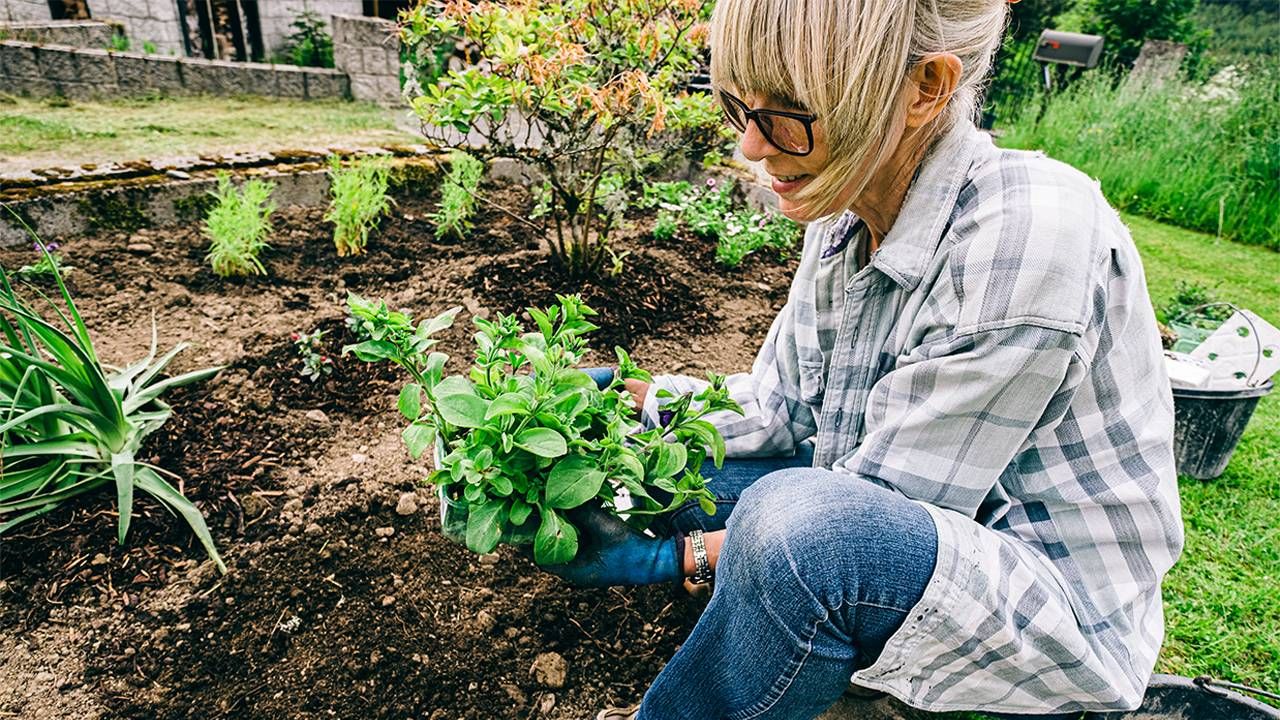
{"x": 954, "y": 479}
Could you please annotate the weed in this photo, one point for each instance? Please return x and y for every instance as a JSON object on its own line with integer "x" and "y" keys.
{"x": 458, "y": 196}
{"x": 315, "y": 364}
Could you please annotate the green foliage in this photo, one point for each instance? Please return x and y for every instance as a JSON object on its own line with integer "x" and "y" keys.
{"x": 148, "y": 47}
{"x": 310, "y": 347}
{"x": 1194, "y": 300}
{"x": 68, "y": 426}
{"x": 525, "y": 437}
{"x": 710, "y": 211}
{"x": 1126, "y": 24}
{"x": 1203, "y": 156}
{"x": 48, "y": 263}
{"x": 458, "y": 196}
{"x": 600, "y": 84}
{"x": 238, "y": 225}
{"x": 1238, "y": 33}
{"x": 359, "y": 200}
{"x": 310, "y": 44}
{"x": 119, "y": 42}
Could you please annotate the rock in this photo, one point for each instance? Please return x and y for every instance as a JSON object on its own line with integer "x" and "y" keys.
{"x": 513, "y": 691}
{"x": 140, "y": 248}
{"x": 407, "y": 504}
{"x": 549, "y": 670}
{"x": 388, "y": 600}
{"x": 261, "y": 399}
{"x": 254, "y": 506}
{"x": 385, "y": 532}
{"x": 485, "y": 622}
{"x": 293, "y": 505}
{"x": 359, "y": 458}
{"x": 318, "y": 416}
{"x": 547, "y": 703}
{"x": 313, "y": 529}
{"x": 99, "y": 560}
{"x": 490, "y": 559}
{"x": 178, "y": 174}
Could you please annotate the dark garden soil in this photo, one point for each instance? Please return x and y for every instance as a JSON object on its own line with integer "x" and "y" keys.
{"x": 343, "y": 600}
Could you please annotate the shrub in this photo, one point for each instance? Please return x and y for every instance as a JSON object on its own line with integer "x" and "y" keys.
{"x": 359, "y": 200}
{"x": 68, "y": 427}
{"x": 589, "y": 93}
{"x": 310, "y": 44}
{"x": 458, "y": 196}
{"x": 526, "y": 437}
{"x": 1126, "y": 24}
{"x": 1203, "y": 156}
{"x": 237, "y": 226}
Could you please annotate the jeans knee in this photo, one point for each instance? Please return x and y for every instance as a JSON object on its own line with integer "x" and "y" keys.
{"x": 774, "y": 521}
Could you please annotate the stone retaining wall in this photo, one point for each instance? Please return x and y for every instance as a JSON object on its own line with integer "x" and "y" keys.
{"x": 155, "y": 22}
{"x": 368, "y": 51}
{"x": 24, "y": 10}
{"x": 89, "y": 73}
{"x": 76, "y": 33}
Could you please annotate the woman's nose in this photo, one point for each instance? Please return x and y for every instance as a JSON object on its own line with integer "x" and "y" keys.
{"x": 754, "y": 147}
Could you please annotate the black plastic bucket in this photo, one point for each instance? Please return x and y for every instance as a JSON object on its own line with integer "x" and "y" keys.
{"x": 1208, "y": 425}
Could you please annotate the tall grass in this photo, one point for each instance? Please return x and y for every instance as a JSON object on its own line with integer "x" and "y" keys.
{"x": 1202, "y": 156}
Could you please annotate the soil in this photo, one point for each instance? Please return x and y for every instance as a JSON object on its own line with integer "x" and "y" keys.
{"x": 336, "y": 604}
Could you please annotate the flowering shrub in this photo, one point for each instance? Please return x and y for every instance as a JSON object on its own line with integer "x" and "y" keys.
{"x": 589, "y": 93}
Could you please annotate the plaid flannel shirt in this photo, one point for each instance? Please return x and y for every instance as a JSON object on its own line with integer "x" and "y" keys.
{"x": 997, "y": 362}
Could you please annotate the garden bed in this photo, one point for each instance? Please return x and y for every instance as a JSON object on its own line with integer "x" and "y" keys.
{"x": 343, "y": 600}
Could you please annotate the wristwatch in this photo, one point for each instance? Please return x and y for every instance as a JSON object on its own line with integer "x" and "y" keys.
{"x": 702, "y": 573}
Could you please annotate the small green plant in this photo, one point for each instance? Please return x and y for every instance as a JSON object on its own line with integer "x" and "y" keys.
{"x": 310, "y": 346}
{"x": 69, "y": 426}
{"x": 359, "y": 200}
{"x": 148, "y": 47}
{"x": 1196, "y": 304}
{"x": 525, "y": 437}
{"x": 119, "y": 42}
{"x": 48, "y": 263}
{"x": 310, "y": 44}
{"x": 710, "y": 211}
{"x": 237, "y": 226}
{"x": 458, "y": 196}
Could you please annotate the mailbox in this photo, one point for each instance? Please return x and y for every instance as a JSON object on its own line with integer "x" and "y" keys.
{"x": 1067, "y": 48}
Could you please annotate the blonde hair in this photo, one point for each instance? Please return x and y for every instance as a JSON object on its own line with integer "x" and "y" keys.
{"x": 847, "y": 61}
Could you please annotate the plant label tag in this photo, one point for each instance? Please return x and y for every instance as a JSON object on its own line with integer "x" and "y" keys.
{"x": 1185, "y": 371}
{"x": 1243, "y": 352}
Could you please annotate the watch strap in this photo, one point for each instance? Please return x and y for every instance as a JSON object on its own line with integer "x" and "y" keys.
{"x": 702, "y": 573}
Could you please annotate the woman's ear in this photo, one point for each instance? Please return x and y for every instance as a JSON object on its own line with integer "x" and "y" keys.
{"x": 934, "y": 79}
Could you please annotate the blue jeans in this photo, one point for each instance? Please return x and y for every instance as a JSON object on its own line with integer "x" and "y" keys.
{"x": 817, "y": 571}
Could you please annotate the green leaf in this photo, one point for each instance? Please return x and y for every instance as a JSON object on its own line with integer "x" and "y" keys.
{"x": 418, "y": 437}
{"x": 556, "y": 542}
{"x": 501, "y": 485}
{"x": 709, "y": 437}
{"x": 671, "y": 458}
{"x": 508, "y": 404}
{"x": 373, "y": 350}
{"x": 573, "y": 481}
{"x": 520, "y": 511}
{"x": 543, "y": 442}
{"x": 463, "y": 410}
{"x": 484, "y": 525}
{"x": 410, "y": 402}
{"x": 708, "y": 505}
{"x": 455, "y": 385}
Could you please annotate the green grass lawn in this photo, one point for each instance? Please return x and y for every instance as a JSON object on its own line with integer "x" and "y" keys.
{"x": 1222, "y": 599}
{"x": 36, "y": 133}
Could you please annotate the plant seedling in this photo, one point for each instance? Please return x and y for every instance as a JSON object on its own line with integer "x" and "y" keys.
{"x": 524, "y": 437}
{"x": 359, "y": 200}
{"x": 458, "y": 196}
{"x": 237, "y": 226}
{"x": 315, "y": 364}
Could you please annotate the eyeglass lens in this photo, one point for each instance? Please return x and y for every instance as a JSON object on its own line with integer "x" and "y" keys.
{"x": 786, "y": 133}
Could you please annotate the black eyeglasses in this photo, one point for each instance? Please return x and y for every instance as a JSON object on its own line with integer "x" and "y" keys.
{"x": 790, "y": 132}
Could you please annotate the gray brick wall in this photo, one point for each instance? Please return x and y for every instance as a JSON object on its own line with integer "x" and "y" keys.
{"x": 154, "y": 21}
{"x": 88, "y": 73}
{"x": 275, "y": 16}
{"x": 368, "y": 51}
{"x": 24, "y": 10}
{"x": 77, "y": 33}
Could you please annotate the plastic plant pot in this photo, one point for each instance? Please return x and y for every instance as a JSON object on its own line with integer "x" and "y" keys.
{"x": 453, "y": 516}
{"x": 1208, "y": 425}
{"x": 1189, "y": 336}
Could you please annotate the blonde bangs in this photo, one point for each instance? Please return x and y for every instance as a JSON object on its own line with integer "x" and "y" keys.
{"x": 846, "y": 61}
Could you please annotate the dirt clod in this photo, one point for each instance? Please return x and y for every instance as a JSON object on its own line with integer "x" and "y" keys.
{"x": 549, "y": 670}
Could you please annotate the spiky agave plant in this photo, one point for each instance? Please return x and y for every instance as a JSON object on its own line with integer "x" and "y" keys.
{"x": 69, "y": 424}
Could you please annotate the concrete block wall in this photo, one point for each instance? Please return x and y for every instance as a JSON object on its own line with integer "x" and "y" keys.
{"x": 274, "y": 17}
{"x": 368, "y": 51}
{"x": 154, "y": 21}
{"x": 24, "y": 10}
{"x": 90, "y": 73}
{"x": 77, "y": 33}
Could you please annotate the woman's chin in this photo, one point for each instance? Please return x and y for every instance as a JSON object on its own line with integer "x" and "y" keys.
{"x": 794, "y": 211}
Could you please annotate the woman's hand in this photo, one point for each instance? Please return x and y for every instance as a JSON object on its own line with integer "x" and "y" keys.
{"x": 639, "y": 390}
{"x": 611, "y": 553}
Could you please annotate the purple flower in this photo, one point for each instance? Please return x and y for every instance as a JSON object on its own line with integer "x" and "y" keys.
{"x": 665, "y": 417}
{"x": 53, "y": 246}
{"x": 711, "y": 182}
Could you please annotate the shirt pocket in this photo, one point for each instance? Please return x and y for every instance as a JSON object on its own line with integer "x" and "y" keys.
{"x": 813, "y": 382}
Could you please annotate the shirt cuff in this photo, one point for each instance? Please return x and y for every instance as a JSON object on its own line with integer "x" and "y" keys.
{"x": 649, "y": 413}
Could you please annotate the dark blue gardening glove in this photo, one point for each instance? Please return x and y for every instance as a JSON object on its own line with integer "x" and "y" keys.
{"x": 602, "y": 375}
{"x": 611, "y": 553}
